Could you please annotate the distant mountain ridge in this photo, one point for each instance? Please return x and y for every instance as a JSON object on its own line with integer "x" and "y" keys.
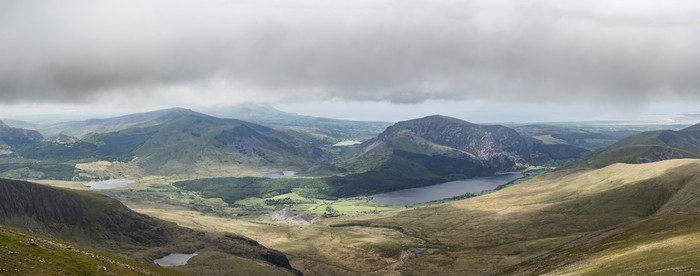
{"x": 173, "y": 141}
{"x": 590, "y": 140}
{"x": 335, "y": 129}
{"x": 17, "y": 136}
{"x": 145, "y": 119}
{"x": 187, "y": 143}
{"x": 646, "y": 147}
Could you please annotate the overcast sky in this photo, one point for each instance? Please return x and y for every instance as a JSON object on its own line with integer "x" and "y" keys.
{"x": 495, "y": 60}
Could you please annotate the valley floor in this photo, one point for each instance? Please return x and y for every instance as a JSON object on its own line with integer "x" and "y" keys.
{"x": 473, "y": 236}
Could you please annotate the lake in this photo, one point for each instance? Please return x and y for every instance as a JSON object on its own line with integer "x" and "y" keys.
{"x": 284, "y": 174}
{"x": 444, "y": 190}
{"x": 174, "y": 259}
{"x": 346, "y": 143}
{"x": 109, "y": 184}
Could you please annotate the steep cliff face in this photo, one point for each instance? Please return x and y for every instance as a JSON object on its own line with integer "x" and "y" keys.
{"x": 97, "y": 221}
{"x": 496, "y": 147}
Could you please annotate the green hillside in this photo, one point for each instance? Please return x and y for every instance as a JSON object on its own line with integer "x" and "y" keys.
{"x": 97, "y": 221}
{"x": 12, "y": 136}
{"x": 205, "y": 145}
{"x": 409, "y": 154}
{"x": 493, "y": 231}
{"x": 666, "y": 244}
{"x": 647, "y": 147}
{"x": 408, "y": 170}
{"x": 189, "y": 144}
{"x": 26, "y": 253}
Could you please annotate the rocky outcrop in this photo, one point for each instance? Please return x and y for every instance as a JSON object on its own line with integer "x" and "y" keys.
{"x": 498, "y": 147}
{"x": 655, "y": 154}
{"x": 62, "y": 139}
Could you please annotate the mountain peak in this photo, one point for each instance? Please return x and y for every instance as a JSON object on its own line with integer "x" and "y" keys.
{"x": 694, "y": 127}
{"x": 498, "y": 147}
{"x": 438, "y": 117}
{"x": 177, "y": 110}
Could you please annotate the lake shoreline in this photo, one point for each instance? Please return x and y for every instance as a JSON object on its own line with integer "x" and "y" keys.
{"x": 444, "y": 190}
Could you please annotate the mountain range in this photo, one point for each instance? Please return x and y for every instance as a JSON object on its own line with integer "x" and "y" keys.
{"x": 187, "y": 143}
{"x": 613, "y": 200}
{"x": 443, "y": 146}
{"x": 333, "y": 130}
{"x": 163, "y": 142}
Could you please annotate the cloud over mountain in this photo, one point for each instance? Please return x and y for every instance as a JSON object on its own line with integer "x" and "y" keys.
{"x": 386, "y": 50}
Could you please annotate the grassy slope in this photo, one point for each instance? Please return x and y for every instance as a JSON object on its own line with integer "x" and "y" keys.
{"x": 667, "y": 244}
{"x": 211, "y": 146}
{"x": 493, "y": 231}
{"x": 184, "y": 144}
{"x": 100, "y": 222}
{"x": 313, "y": 249}
{"x": 26, "y": 253}
{"x": 645, "y": 147}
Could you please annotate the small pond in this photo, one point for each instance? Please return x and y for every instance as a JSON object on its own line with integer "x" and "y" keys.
{"x": 284, "y": 174}
{"x": 346, "y": 143}
{"x": 109, "y": 184}
{"x": 444, "y": 190}
{"x": 174, "y": 259}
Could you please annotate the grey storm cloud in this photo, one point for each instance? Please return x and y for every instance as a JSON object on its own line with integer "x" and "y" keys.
{"x": 402, "y": 51}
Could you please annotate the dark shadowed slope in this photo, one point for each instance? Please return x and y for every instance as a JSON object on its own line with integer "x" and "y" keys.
{"x": 99, "y": 222}
{"x": 11, "y": 136}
